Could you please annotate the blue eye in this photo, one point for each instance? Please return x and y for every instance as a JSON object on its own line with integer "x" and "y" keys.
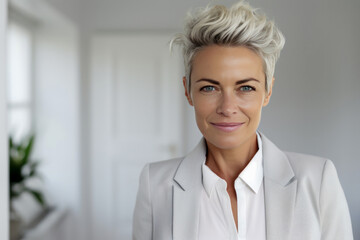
{"x": 207, "y": 89}
{"x": 247, "y": 88}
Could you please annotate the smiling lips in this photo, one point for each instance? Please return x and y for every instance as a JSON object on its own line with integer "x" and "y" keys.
{"x": 227, "y": 127}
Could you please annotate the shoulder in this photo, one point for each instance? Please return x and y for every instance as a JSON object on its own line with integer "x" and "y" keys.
{"x": 280, "y": 164}
{"x": 318, "y": 179}
{"x": 302, "y": 165}
{"x": 312, "y": 170}
{"x": 306, "y": 164}
{"x": 162, "y": 171}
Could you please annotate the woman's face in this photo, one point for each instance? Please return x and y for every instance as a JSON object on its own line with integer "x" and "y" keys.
{"x": 228, "y": 93}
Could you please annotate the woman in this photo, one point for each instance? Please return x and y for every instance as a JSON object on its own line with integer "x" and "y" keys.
{"x": 236, "y": 184}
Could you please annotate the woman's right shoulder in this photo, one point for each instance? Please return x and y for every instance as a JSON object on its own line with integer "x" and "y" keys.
{"x": 162, "y": 171}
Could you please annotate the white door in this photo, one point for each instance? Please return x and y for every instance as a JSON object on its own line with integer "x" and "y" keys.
{"x": 135, "y": 118}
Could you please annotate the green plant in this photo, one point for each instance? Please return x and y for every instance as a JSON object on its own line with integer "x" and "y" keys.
{"x": 22, "y": 168}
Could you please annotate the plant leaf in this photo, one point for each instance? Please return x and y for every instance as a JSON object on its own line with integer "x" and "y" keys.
{"x": 10, "y": 142}
{"x": 33, "y": 167}
{"x": 37, "y": 195}
{"x": 21, "y": 168}
{"x": 27, "y": 147}
{"x": 15, "y": 172}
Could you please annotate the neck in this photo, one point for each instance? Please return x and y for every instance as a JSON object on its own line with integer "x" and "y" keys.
{"x": 229, "y": 163}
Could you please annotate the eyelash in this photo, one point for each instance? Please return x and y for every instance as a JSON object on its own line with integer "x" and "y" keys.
{"x": 203, "y": 88}
{"x": 250, "y": 87}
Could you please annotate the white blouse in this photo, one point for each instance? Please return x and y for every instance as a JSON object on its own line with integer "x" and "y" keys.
{"x": 216, "y": 218}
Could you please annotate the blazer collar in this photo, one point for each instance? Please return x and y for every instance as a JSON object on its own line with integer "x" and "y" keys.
{"x": 276, "y": 164}
{"x": 189, "y": 169}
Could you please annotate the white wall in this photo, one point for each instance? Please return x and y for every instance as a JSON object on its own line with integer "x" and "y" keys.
{"x": 57, "y": 123}
{"x": 4, "y": 181}
{"x": 57, "y": 109}
{"x": 315, "y": 107}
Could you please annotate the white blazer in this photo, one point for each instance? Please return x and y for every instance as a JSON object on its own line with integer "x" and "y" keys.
{"x": 303, "y": 198}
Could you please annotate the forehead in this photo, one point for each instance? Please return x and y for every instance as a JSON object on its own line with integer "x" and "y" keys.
{"x": 227, "y": 63}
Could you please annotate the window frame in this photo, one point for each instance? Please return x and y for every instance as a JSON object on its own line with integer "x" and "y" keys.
{"x": 29, "y": 24}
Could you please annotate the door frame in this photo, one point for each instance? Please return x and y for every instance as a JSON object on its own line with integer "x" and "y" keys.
{"x": 4, "y": 166}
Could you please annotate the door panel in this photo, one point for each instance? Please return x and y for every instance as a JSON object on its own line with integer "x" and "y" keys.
{"x": 135, "y": 118}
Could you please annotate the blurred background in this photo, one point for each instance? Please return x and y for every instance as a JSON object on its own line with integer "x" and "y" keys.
{"x": 95, "y": 84}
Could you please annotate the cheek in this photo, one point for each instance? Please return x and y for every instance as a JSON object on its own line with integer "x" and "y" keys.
{"x": 205, "y": 109}
{"x": 204, "y": 105}
{"x": 202, "y": 111}
{"x": 251, "y": 107}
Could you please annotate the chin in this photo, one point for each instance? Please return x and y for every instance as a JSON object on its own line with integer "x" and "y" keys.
{"x": 224, "y": 142}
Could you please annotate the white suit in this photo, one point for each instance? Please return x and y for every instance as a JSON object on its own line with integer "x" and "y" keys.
{"x": 303, "y": 198}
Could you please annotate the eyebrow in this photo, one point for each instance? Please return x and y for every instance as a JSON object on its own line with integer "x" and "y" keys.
{"x": 218, "y": 83}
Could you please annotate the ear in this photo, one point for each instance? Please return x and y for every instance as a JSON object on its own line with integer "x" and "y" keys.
{"x": 268, "y": 94}
{"x": 187, "y": 94}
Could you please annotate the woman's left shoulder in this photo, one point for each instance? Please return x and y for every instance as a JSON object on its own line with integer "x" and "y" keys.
{"x": 305, "y": 165}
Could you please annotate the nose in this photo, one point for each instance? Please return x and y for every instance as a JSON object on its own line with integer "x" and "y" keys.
{"x": 227, "y": 105}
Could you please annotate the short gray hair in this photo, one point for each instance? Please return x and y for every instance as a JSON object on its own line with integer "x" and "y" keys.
{"x": 240, "y": 25}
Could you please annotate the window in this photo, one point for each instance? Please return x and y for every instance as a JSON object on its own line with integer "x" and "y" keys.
{"x": 19, "y": 76}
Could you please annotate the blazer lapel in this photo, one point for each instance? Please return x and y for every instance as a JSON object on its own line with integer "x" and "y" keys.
{"x": 280, "y": 187}
{"x": 186, "y": 194}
